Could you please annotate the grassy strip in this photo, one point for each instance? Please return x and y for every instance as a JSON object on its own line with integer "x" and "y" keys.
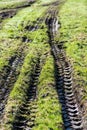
{"x": 13, "y": 4}
{"x": 48, "y": 116}
{"x": 10, "y": 4}
{"x": 18, "y": 94}
{"x": 73, "y": 33}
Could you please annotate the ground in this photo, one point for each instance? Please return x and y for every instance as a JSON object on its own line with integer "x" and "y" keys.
{"x": 43, "y": 61}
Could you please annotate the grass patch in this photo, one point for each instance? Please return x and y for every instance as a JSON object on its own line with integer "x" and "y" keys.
{"x": 13, "y": 4}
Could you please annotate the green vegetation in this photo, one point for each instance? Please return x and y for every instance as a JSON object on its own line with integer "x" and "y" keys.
{"x": 41, "y": 2}
{"x": 73, "y": 33}
{"x": 49, "y": 110}
{"x": 7, "y": 50}
{"x": 9, "y": 4}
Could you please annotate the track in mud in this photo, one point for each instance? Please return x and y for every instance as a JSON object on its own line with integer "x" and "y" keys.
{"x": 7, "y": 81}
{"x": 70, "y": 108}
{"x": 64, "y": 83}
{"x": 7, "y": 14}
{"x": 26, "y": 115}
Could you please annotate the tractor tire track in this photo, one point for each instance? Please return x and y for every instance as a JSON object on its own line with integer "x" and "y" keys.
{"x": 26, "y": 115}
{"x": 7, "y": 14}
{"x": 70, "y": 108}
{"x": 64, "y": 82}
{"x": 7, "y": 81}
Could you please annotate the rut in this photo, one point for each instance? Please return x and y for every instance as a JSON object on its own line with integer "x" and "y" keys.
{"x": 26, "y": 116}
{"x": 7, "y": 81}
{"x": 7, "y": 14}
{"x": 64, "y": 82}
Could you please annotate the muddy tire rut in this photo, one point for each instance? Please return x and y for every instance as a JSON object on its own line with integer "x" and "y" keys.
{"x": 72, "y": 116}
{"x": 8, "y": 79}
{"x": 25, "y": 119}
{"x": 7, "y": 14}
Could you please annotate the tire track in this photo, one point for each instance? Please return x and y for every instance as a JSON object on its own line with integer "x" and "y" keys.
{"x": 7, "y": 14}
{"x": 7, "y": 80}
{"x": 26, "y": 115}
{"x": 64, "y": 82}
{"x": 70, "y": 108}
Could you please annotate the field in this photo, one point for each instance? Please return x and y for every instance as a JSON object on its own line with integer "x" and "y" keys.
{"x": 43, "y": 65}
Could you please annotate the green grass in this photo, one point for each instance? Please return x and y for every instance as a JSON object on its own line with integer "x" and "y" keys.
{"x": 49, "y": 110}
{"x": 7, "y": 51}
{"x": 44, "y": 2}
{"x": 12, "y": 4}
{"x": 73, "y": 33}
